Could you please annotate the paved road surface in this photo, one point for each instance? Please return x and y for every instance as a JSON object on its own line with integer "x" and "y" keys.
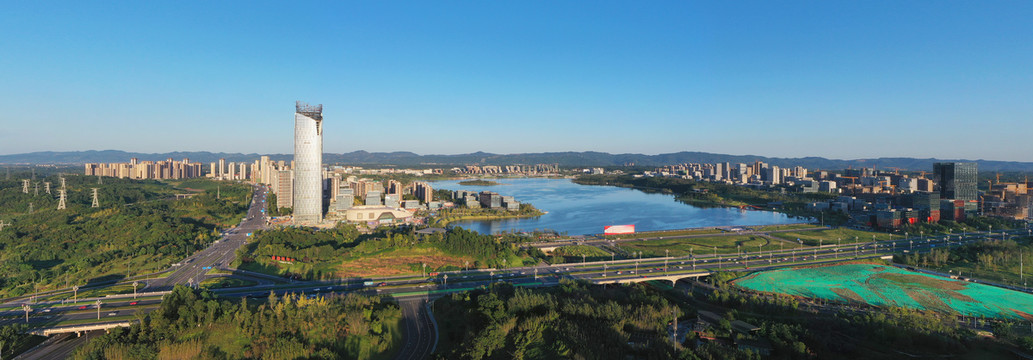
{"x": 192, "y": 270}
{"x": 419, "y": 331}
{"x": 58, "y": 347}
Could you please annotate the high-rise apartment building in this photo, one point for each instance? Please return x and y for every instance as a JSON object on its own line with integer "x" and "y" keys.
{"x": 284, "y": 188}
{"x": 423, "y": 192}
{"x": 136, "y": 169}
{"x": 308, "y": 163}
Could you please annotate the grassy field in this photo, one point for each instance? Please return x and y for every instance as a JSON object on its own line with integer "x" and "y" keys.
{"x": 882, "y": 285}
{"x": 1003, "y": 274}
{"x": 400, "y": 262}
{"x": 573, "y": 253}
{"x": 831, "y": 236}
{"x": 705, "y": 245}
{"x": 786, "y": 227}
{"x": 226, "y": 282}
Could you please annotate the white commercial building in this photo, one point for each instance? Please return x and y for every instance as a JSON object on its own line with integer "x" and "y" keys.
{"x": 308, "y": 163}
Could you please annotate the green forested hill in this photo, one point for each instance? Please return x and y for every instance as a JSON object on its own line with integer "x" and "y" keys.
{"x": 139, "y": 228}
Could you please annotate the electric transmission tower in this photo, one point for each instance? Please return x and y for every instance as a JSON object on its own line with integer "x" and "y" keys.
{"x": 25, "y": 186}
{"x": 46, "y": 187}
{"x": 2, "y": 224}
{"x": 61, "y": 203}
{"x": 96, "y": 203}
{"x": 62, "y": 182}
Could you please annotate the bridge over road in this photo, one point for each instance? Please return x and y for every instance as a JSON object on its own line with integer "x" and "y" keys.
{"x": 79, "y": 329}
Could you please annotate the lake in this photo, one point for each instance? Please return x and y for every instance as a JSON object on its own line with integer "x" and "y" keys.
{"x": 586, "y": 209}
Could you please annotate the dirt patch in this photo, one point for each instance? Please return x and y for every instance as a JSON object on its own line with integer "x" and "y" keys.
{"x": 849, "y": 295}
{"x": 395, "y": 265}
{"x": 960, "y": 297}
{"x": 1024, "y": 315}
{"x": 920, "y": 281}
{"x": 928, "y": 300}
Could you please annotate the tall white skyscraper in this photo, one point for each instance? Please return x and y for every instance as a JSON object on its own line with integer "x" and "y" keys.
{"x": 308, "y": 163}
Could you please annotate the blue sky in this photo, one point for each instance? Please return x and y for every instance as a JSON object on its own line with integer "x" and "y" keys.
{"x": 838, "y": 79}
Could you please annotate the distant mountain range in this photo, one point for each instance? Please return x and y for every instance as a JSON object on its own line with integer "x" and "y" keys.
{"x": 588, "y": 158}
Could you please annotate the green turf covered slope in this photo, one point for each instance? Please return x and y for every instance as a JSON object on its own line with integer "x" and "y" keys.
{"x": 889, "y": 286}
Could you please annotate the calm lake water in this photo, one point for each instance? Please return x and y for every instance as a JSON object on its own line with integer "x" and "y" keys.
{"x": 584, "y": 209}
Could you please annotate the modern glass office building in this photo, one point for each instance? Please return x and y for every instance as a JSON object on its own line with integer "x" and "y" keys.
{"x": 957, "y": 180}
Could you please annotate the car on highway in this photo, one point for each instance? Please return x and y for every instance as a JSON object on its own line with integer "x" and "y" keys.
{"x": 83, "y": 307}
{"x": 112, "y": 313}
{"x": 134, "y": 303}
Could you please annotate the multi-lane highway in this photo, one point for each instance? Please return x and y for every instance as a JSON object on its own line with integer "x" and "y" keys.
{"x": 419, "y": 331}
{"x": 192, "y": 270}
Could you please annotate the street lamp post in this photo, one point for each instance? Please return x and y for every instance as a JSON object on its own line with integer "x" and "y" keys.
{"x": 27, "y": 310}
{"x": 667, "y": 254}
{"x": 424, "y": 270}
{"x": 444, "y": 280}
{"x": 718, "y": 257}
{"x": 98, "y": 308}
{"x": 135, "y": 285}
{"x": 75, "y": 293}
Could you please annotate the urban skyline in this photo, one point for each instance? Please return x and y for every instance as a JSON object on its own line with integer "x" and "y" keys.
{"x": 894, "y": 79}
{"x": 826, "y": 176}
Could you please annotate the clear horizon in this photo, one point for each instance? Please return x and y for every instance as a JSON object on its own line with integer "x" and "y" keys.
{"x": 789, "y": 79}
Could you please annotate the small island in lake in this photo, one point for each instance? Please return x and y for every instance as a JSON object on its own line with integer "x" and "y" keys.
{"x": 479, "y": 182}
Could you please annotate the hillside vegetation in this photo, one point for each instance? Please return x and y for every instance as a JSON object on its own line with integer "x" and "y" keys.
{"x": 139, "y": 228}
{"x": 193, "y": 324}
